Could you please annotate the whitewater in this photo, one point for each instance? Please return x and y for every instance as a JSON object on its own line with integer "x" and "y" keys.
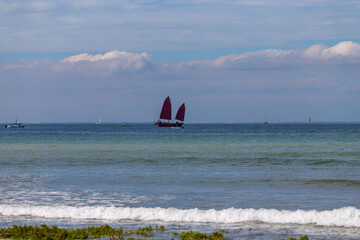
{"x": 343, "y": 217}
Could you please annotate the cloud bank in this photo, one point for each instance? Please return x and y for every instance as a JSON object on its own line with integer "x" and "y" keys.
{"x": 288, "y": 85}
{"x": 106, "y": 63}
{"x": 349, "y": 51}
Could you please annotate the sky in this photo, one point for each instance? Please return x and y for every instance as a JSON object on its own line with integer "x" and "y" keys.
{"x": 229, "y": 61}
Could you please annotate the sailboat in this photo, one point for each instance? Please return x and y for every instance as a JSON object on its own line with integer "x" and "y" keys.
{"x": 309, "y": 122}
{"x": 98, "y": 121}
{"x": 123, "y": 124}
{"x": 266, "y": 121}
{"x": 166, "y": 115}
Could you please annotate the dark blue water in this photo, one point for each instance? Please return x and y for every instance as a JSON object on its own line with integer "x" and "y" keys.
{"x": 233, "y": 174}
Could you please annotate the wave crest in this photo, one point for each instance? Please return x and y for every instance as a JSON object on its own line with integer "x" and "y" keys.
{"x": 342, "y": 217}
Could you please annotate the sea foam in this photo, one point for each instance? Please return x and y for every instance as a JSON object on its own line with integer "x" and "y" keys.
{"x": 345, "y": 217}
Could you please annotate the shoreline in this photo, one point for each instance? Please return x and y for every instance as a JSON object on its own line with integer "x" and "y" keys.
{"x": 164, "y": 231}
{"x": 97, "y": 232}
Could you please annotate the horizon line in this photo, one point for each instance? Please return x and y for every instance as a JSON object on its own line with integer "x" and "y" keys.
{"x": 254, "y": 122}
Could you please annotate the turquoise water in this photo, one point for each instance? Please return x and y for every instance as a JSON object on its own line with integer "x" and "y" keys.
{"x": 275, "y": 178}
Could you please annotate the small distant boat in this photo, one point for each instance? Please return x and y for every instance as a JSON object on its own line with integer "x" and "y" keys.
{"x": 166, "y": 114}
{"x": 123, "y": 124}
{"x": 15, "y": 125}
{"x": 98, "y": 121}
{"x": 309, "y": 121}
{"x": 266, "y": 121}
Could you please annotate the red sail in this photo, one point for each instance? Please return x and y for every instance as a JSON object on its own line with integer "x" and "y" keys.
{"x": 166, "y": 109}
{"x": 181, "y": 113}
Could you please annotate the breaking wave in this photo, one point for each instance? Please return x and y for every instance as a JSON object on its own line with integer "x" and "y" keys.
{"x": 342, "y": 217}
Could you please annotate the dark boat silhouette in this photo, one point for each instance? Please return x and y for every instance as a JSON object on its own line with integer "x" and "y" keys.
{"x": 166, "y": 115}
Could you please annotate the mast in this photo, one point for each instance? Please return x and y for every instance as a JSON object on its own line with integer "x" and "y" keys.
{"x": 180, "y": 115}
{"x": 166, "y": 109}
{"x": 266, "y": 121}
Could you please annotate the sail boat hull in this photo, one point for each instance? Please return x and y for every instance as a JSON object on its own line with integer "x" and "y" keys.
{"x": 168, "y": 124}
{"x": 14, "y": 126}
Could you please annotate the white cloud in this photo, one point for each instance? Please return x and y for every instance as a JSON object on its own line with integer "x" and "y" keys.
{"x": 314, "y": 51}
{"x": 114, "y": 61}
{"x": 346, "y": 49}
{"x": 107, "y": 63}
{"x": 109, "y": 55}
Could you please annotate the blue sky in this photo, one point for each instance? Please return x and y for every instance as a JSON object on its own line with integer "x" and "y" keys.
{"x": 229, "y": 61}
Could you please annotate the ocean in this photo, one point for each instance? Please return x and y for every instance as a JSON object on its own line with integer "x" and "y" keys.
{"x": 261, "y": 181}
